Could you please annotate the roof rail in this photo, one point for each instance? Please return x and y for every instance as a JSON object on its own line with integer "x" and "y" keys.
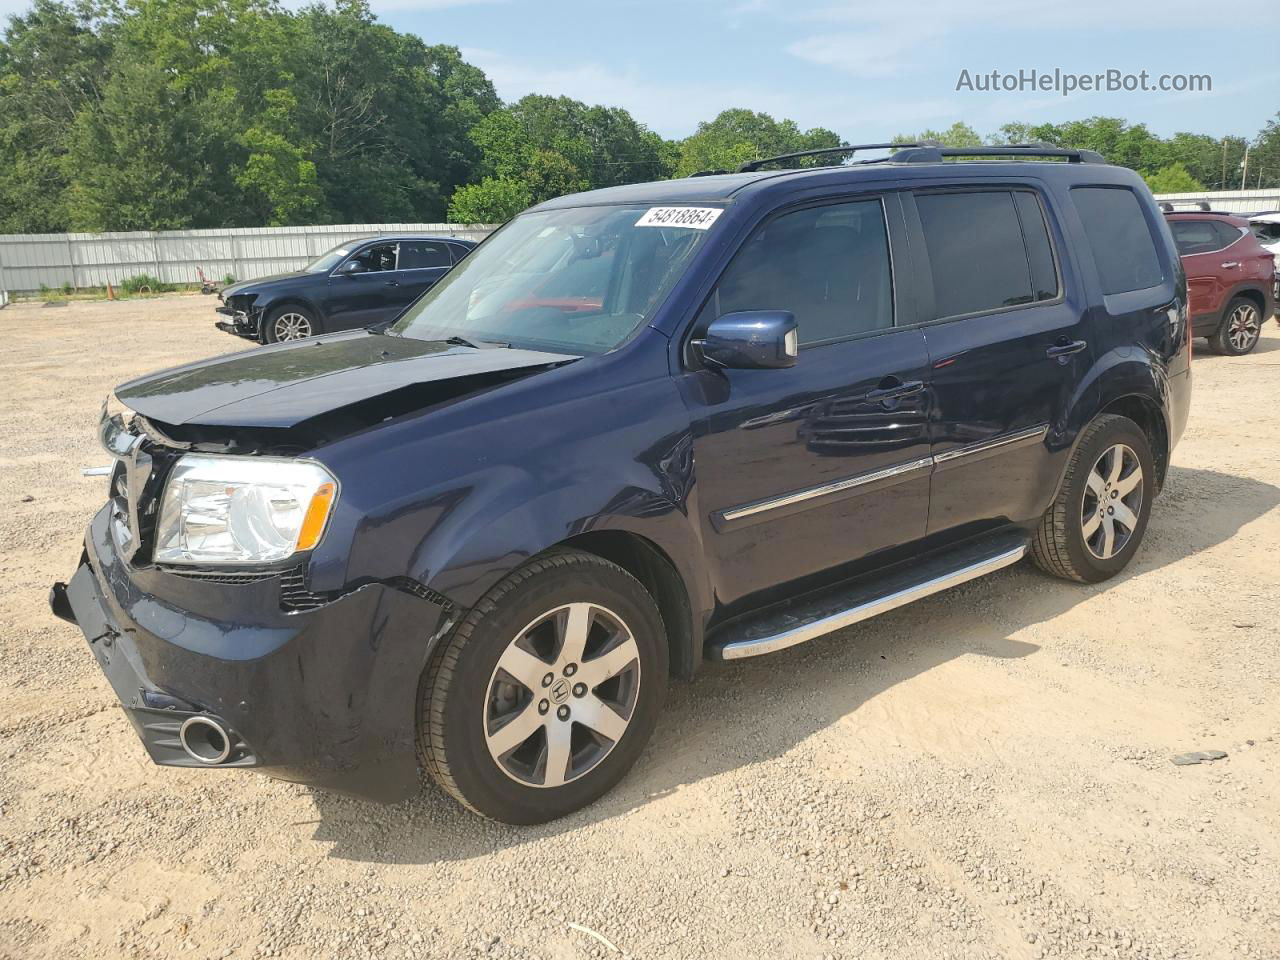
{"x": 752, "y": 165}
{"x": 1202, "y": 206}
{"x": 937, "y": 153}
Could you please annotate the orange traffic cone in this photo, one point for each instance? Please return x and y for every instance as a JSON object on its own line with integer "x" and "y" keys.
{"x": 111, "y": 294}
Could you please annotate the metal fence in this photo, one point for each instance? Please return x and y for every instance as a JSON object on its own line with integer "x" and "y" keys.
{"x": 53, "y": 260}
{"x": 1230, "y": 201}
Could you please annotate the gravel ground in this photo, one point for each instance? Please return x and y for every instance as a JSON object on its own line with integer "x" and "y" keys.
{"x": 983, "y": 774}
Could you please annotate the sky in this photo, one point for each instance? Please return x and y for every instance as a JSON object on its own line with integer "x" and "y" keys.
{"x": 868, "y": 70}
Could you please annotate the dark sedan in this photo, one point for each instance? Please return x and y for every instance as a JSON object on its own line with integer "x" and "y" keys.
{"x": 356, "y": 284}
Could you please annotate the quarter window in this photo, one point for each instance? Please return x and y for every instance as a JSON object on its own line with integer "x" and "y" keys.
{"x": 827, "y": 265}
{"x": 987, "y": 250}
{"x": 1124, "y": 250}
{"x": 1198, "y": 236}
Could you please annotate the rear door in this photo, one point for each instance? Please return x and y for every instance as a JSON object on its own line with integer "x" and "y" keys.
{"x": 804, "y": 469}
{"x": 1006, "y": 350}
{"x": 1210, "y": 275}
{"x": 420, "y": 264}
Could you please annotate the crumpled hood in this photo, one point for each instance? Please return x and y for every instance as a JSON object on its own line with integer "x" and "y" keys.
{"x": 285, "y": 384}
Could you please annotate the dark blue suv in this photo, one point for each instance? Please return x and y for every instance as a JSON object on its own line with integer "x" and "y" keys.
{"x": 639, "y": 427}
{"x": 356, "y": 284}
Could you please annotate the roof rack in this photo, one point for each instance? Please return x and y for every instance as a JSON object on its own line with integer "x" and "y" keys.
{"x": 936, "y": 154}
{"x": 931, "y": 151}
{"x": 753, "y": 165}
{"x": 1202, "y": 206}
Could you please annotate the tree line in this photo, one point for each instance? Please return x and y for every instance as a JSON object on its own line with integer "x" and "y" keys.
{"x": 173, "y": 114}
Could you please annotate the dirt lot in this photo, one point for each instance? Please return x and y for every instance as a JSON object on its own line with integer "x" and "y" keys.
{"x": 983, "y": 774}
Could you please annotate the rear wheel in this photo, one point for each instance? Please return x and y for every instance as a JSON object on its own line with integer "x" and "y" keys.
{"x": 1096, "y": 523}
{"x": 289, "y": 322}
{"x": 545, "y": 694}
{"x": 1240, "y": 329}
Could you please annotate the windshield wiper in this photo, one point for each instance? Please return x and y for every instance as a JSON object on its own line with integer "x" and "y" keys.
{"x": 458, "y": 341}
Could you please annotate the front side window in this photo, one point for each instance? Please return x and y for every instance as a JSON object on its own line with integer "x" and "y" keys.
{"x": 578, "y": 280}
{"x": 828, "y": 265}
{"x": 987, "y": 250}
{"x": 1124, "y": 250}
{"x": 377, "y": 258}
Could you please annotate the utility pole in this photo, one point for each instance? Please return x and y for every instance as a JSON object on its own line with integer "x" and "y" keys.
{"x": 1244, "y": 167}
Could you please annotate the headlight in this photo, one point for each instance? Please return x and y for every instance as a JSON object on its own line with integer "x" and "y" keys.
{"x": 224, "y": 509}
{"x": 115, "y": 428}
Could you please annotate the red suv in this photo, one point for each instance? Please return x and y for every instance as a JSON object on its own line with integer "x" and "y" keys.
{"x": 1230, "y": 278}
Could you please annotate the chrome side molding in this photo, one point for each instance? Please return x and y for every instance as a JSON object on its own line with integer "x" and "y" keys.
{"x": 995, "y": 443}
{"x": 741, "y": 649}
{"x": 826, "y": 489}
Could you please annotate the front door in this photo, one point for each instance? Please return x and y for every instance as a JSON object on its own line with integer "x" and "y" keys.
{"x": 1006, "y": 351}
{"x": 367, "y": 296}
{"x": 804, "y": 469}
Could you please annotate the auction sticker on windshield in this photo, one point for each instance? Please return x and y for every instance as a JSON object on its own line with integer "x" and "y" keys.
{"x": 694, "y": 218}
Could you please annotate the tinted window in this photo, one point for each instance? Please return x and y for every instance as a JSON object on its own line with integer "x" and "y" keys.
{"x": 1123, "y": 249}
{"x": 1227, "y": 234}
{"x": 976, "y": 251}
{"x": 416, "y": 254}
{"x": 1044, "y": 273}
{"x": 1195, "y": 236}
{"x": 827, "y": 265}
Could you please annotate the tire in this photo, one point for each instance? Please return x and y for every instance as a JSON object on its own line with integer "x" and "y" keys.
{"x": 468, "y": 698}
{"x": 1240, "y": 330}
{"x": 1071, "y": 541}
{"x": 289, "y": 322}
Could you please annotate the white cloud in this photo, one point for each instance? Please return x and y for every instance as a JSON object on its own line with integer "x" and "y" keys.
{"x": 674, "y": 110}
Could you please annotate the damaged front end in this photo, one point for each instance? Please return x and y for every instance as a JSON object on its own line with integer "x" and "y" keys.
{"x": 245, "y": 666}
{"x": 244, "y": 319}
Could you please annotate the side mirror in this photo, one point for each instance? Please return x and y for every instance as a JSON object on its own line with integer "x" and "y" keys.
{"x": 350, "y": 267}
{"x": 751, "y": 340}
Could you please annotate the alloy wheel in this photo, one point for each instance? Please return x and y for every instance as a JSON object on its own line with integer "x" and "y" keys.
{"x": 562, "y": 695}
{"x": 292, "y": 326}
{"x": 1112, "y": 501}
{"x": 1244, "y": 327}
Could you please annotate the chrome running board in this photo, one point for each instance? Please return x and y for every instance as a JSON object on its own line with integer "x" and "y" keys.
{"x": 842, "y": 608}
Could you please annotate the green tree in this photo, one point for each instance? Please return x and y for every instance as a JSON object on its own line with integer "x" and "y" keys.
{"x": 52, "y": 65}
{"x": 957, "y": 135}
{"x": 736, "y": 136}
{"x": 279, "y": 180}
{"x": 492, "y": 200}
{"x": 1173, "y": 179}
{"x": 1264, "y": 158}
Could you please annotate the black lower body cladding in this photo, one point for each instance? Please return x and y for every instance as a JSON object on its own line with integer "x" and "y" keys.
{"x": 325, "y": 697}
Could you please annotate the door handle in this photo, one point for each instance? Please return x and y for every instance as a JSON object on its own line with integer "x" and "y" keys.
{"x": 896, "y": 390}
{"x": 1230, "y": 264}
{"x": 1064, "y": 348}
{"x": 392, "y": 283}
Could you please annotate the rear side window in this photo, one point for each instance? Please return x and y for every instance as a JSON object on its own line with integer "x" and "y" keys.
{"x": 1195, "y": 236}
{"x": 418, "y": 254}
{"x": 827, "y": 265}
{"x": 1124, "y": 250}
{"x": 1227, "y": 233}
{"x": 987, "y": 250}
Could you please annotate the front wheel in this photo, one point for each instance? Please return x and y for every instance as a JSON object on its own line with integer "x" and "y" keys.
{"x": 289, "y": 322}
{"x": 1240, "y": 330}
{"x": 1098, "y": 519}
{"x": 545, "y": 694}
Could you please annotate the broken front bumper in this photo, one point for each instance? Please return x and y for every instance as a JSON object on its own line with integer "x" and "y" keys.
{"x": 240, "y": 323}
{"x": 325, "y": 697}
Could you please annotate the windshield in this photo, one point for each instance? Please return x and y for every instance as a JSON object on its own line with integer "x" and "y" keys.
{"x": 327, "y": 261}
{"x": 578, "y": 281}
